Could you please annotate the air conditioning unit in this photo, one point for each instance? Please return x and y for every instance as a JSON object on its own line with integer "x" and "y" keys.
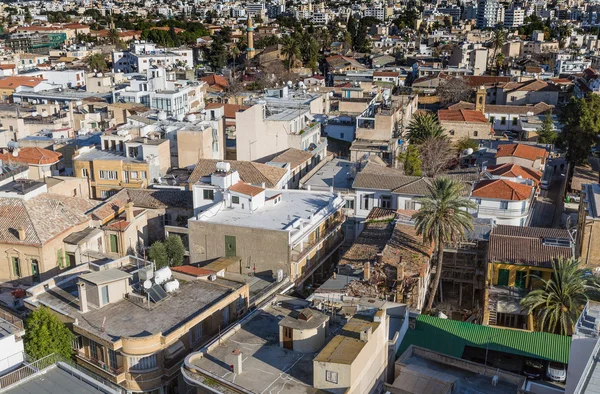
{"x": 212, "y": 277}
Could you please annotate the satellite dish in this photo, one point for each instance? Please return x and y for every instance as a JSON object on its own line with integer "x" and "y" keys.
{"x": 469, "y": 151}
{"x": 147, "y": 284}
{"x": 15, "y": 153}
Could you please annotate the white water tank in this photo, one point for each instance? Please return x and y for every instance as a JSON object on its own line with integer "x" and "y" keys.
{"x": 162, "y": 115}
{"x": 162, "y": 275}
{"x": 180, "y": 117}
{"x": 191, "y": 118}
{"x": 171, "y": 286}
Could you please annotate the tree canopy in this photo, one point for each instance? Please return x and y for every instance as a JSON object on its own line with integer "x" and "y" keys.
{"x": 158, "y": 255}
{"x": 424, "y": 126}
{"x": 581, "y": 120}
{"x": 46, "y": 334}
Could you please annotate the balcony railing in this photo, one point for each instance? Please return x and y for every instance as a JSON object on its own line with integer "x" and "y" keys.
{"x": 101, "y": 364}
{"x": 500, "y": 212}
{"x": 310, "y": 127}
{"x": 307, "y": 247}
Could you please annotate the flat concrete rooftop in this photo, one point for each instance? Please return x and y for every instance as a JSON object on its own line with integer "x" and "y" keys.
{"x": 421, "y": 375}
{"x": 267, "y": 368}
{"x": 296, "y": 204}
{"x": 337, "y": 173}
{"x": 128, "y": 319}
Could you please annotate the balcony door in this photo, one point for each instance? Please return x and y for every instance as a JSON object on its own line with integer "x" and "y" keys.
{"x": 503, "y": 277}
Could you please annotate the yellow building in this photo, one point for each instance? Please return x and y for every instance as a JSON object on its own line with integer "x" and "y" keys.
{"x": 135, "y": 338}
{"x": 516, "y": 257}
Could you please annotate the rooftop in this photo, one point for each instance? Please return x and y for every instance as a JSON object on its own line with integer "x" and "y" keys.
{"x": 451, "y": 336}
{"x": 501, "y": 189}
{"x": 295, "y": 205}
{"x": 128, "y": 319}
{"x": 99, "y": 154}
{"x": 250, "y": 172}
{"x": 462, "y": 115}
{"x": 338, "y": 173}
{"x": 522, "y": 151}
{"x": 33, "y": 156}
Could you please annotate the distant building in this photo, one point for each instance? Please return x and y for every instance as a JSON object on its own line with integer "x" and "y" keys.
{"x": 143, "y": 55}
{"x": 487, "y": 13}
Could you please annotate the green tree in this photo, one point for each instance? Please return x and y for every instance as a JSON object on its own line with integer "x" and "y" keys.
{"x": 291, "y": 51}
{"x": 46, "y": 334}
{"x": 546, "y": 133}
{"x": 158, "y": 255}
{"x": 28, "y": 17}
{"x": 497, "y": 42}
{"x": 97, "y": 62}
{"x": 217, "y": 53}
{"x": 411, "y": 161}
{"x": 581, "y": 120}
{"x": 466, "y": 143}
{"x": 424, "y": 126}
{"x": 442, "y": 218}
{"x": 557, "y": 305}
{"x": 175, "y": 249}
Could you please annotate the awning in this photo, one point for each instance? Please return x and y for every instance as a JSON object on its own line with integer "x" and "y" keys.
{"x": 175, "y": 348}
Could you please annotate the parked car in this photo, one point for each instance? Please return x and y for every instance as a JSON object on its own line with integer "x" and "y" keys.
{"x": 556, "y": 372}
{"x": 533, "y": 369}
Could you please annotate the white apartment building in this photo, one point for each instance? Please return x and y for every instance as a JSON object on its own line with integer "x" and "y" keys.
{"x": 143, "y": 55}
{"x": 514, "y": 17}
{"x": 60, "y": 78}
{"x": 375, "y": 12}
{"x": 159, "y": 90}
{"x": 11, "y": 343}
{"x": 506, "y": 202}
{"x": 264, "y": 130}
{"x": 487, "y": 13}
{"x": 571, "y": 66}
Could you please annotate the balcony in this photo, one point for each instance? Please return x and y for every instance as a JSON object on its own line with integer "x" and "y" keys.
{"x": 310, "y": 128}
{"x": 304, "y": 248}
{"x": 500, "y": 212}
{"x": 100, "y": 364}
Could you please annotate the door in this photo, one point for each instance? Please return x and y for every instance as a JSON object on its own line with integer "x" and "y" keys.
{"x": 225, "y": 317}
{"x": 230, "y": 250}
{"x": 35, "y": 271}
{"x": 288, "y": 341}
{"x": 520, "y": 279}
{"x": 114, "y": 248}
{"x": 503, "y": 277}
{"x": 104, "y": 295}
{"x": 71, "y": 260}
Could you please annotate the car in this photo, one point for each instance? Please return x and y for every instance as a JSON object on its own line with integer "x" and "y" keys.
{"x": 556, "y": 372}
{"x": 533, "y": 369}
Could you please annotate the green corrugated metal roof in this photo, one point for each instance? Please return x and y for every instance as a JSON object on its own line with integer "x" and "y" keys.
{"x": 451, "y": 336}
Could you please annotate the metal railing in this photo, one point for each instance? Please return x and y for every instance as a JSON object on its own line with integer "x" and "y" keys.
{"x": 501, "y": 212}
{"x": 298, "y": 255}
{"x": 101, "y": 364}
{"x": 15, "y": 324}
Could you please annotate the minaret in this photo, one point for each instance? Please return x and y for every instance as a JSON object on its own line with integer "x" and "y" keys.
{"x": 250, "y": 31}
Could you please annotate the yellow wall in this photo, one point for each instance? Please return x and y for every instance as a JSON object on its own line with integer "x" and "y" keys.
{"x": 494, "y": 268}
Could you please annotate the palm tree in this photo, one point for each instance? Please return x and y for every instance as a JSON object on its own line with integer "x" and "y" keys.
{"x": 443, "y": 217}
{"x": 424, "y": 126}
{"x": 291, "y": 51}
{"x": 498, "y": 40}
{"x": 558, "y": 303}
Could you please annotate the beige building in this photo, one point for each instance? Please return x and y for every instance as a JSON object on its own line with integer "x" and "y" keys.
{"x": 122, "y": 161}
{"x": 33, "y": 232}
{"x": 103, "y": 82}
{"x": 139, "y": 338}
{"x": 195, "y": 142}
{"x": 464, "y": 123}
{"x": 588, "y": 226}
{"x": 42, "y": 163}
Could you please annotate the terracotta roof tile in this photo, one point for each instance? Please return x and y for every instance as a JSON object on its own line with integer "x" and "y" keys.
{"x": 295, "y": 157}
{"x": 514, "y": 171}
{"x": 250, "y": 172}
{"x": 34, "y": 156}
{"x": 522, "y": 151}
{"x": 506, "y": 109}
{"x": 501, "y": 189}
{"x": 462, "y": 115}
{"x": 193, "y": 271}
{"x": 244, "y": 188}
{"x": 16, "y": 81}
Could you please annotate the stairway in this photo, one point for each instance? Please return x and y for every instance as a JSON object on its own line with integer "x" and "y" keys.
{"x": 493, "y": 312}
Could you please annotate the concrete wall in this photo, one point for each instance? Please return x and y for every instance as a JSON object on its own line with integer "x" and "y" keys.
{"x": 268, "y": 250}
{"x": 537, "y": 164}
{"x": 459, "y": 130}
{"x": 192, "y": 146}
{"x": 12, "y": 353}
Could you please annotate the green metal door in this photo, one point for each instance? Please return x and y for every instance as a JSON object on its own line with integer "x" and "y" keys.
{"x": 503, "y": 277}
{"x": 230, "y": 246}
{"x": 520, "y": 279}
{"x": 113, "y": 244}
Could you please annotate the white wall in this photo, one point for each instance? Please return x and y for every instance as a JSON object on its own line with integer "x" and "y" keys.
{"x": 11, "y": 355}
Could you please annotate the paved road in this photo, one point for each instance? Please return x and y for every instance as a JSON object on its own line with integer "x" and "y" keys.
{"x": 547, "y": 210}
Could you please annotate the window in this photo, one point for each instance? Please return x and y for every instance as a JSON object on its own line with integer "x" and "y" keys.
{"x": 503, "y": 204}
{"x": 342, "y": 136}
{"x": 451, "y": 132}
{"x": 365, "y": 202}
{"x": 503, "y": 120}
{"x": 35, "y": 271}
{"x": 105, "y": 299}
{"x": 114, "y": 245}
{"x": 475, "y": 133}
{"x": 386, "y": 202}
{"x": 104, "y": 174}
{"x": 142, "y": 363}
{"x": 478, "y": 201}
{"x": 349, "y": 204}
{"x": 133, "y": 174}
{"x": 208, "y": 194}
{"x": 85, "y": 173}
{"x": 112, "y": 359}
{"x": 409, "y": 205}
{"x": 492, "y": 119}
{"x": 331, "y": 376}
{"x": 93, "y": 350}
{"x": 514, "y": 121}
{"x": 77, "y": 342}
{"x": 235, "y": 199}
{"x": 60, "y": 258}
{"x": 196, "y": 332}
{"x": 16, "y": 264}
{"x": 107, "y": 193}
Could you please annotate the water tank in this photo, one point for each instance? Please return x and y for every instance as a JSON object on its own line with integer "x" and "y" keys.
{"x": 162, "y": 115}
{"x": 44, "y": 113}
{"x": 34, "y": 114}
{"x": 162, "y": 275}
{"x": 146, "y": 273}
{"x": 180, "y": 117}
{"x": 191, "y": 118}
{"x": 171, "y": 286}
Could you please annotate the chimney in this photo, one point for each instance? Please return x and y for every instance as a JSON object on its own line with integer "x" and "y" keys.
{"x": 21, "y": 234}
{"x": 237, "y": 361}
{"x": 129, "y": 216}
{"x": 367, "y": 271}
{"x": 83, "y": 307}
{"x": 379, "y": 258}
{"x": 365, "y": 335}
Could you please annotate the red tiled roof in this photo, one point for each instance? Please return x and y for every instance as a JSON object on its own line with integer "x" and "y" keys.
{"x": 35, "y": 156}
{"x": 7, "y": 66}
{"x": 462, "y": 115}
{"x": 520, "y": 150}
{"x": 216, "y": 81}
{"x": 16, "y": 81}
{"x": 501, "y": 189}
{"x": 246, "y": 189}
{"x": 229, "y": 109}
{"x": 514, "y": 171}
{"x": 479, "y": 80}
{"x": 386, "y": 73}
{"x": 166, "y": 28}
